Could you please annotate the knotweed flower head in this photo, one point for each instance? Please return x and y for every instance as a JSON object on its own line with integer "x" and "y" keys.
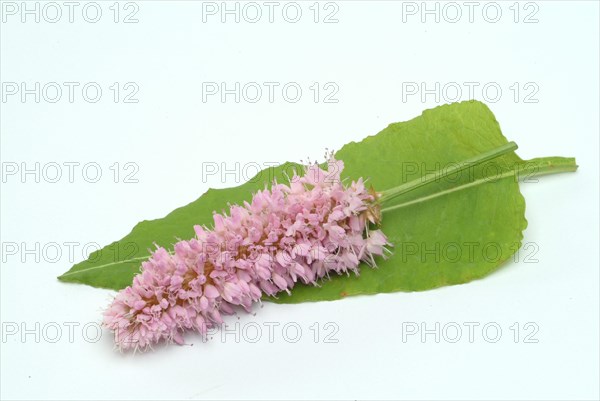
{"x": 300, "y": 232}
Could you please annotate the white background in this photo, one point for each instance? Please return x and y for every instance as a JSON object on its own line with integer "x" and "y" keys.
{"x": 372, "y": 53}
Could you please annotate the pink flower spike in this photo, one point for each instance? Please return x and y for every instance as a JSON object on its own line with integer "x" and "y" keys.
{"x": 303, "y": 232}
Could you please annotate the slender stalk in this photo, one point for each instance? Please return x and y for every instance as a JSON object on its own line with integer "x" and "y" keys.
{"x": 526, "y": 171}
{"x": 546, "y": 165}
{"x": 392, "y": 193}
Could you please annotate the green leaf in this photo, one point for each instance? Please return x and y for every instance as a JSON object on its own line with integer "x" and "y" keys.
{"x": 453, "y": 230}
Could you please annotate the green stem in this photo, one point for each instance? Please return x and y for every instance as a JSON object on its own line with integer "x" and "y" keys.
{"x": 526, "y": 171}
{"x": 546, "y": 165}
{"x": 392, "y": 193}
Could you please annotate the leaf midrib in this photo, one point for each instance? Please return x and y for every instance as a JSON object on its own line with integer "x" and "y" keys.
{"x": 545, "y": 166}
{"x": 415, "y": 201}
{"x": 105, "y": 265}
{"x": 476, "y": 182}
